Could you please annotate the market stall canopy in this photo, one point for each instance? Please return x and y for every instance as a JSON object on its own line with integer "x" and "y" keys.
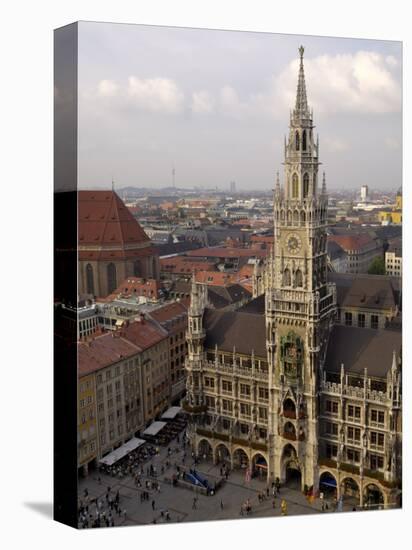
{"x": 122, "y": 451}
{"x": 171, "y": 413}
{"x": 154, "y": 428}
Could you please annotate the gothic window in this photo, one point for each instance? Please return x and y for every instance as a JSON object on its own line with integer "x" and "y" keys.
{"x": 289, "y": 409}
{"x": 89, "y": 279}
{"x": 289, "y": 216}
{"x": 305, "y": 185}
{"x": 298, "y": 278}
{"x": 304, "y": 141}
{"x": 295, "y": 186}
{"x": 286, "y": 277}
{"x": 295, "y": 217}
{"x": 302, "y": 216}
{"x": 111, "y": 278}
{"x": 137, "y": 269}
{"x": 297, "y": 141}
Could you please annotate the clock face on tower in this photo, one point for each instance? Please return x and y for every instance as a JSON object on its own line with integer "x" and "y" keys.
{"x": 293, "y": 243}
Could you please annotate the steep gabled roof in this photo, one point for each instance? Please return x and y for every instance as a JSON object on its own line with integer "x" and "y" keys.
{"x": 228, "y": 329}
{"x": 358, "y": 348}
{"x": 222, "y": 296}
{"x": 364, "y": 291}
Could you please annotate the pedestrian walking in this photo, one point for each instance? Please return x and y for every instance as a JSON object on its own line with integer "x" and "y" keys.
{"x": 194, "y": 503}
{"x": 221, "y": 504}
{"x": 153, "y": 505}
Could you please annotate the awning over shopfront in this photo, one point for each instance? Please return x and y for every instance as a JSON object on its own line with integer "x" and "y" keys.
{"x": 328, "y": 482}
{"x": 154, "y": 428}
{"x": 122, "y": 451}
{"x": 171, "y": 413}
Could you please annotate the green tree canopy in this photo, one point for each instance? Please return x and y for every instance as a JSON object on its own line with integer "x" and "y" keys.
{"x": 377, "y": 266}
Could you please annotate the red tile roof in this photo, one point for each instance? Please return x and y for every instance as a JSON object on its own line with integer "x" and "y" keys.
{"x": 168, "y": 312}
{"x": 143, "y": 334}
{"x": 222, "y": 252}
{"x": 182, "y": 264}
{"x": 103, "y": 351}
{"x": 105, "y": 221}
{"x": 351, "y": 242}
{"x": 137, "y": 286}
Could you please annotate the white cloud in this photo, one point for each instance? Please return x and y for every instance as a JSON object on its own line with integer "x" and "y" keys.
{"x": 202, "y": 102}
{"x": 230, "y": 103}
{"x": 360, "y": 82}
{"x": 107, "y": 88}
{"x": 155, "y": 94}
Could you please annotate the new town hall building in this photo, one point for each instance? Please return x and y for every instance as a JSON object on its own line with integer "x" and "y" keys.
{"x": 303, "y": 383}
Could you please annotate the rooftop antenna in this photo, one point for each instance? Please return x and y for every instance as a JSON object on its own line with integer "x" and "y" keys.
{"x": 112, "y": 183}
{"x": 173, "y": 177}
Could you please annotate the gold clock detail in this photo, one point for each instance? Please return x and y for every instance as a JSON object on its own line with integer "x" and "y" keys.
{"x": 294, "y": 243}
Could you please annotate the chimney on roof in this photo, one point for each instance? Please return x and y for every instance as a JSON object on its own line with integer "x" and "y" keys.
{"x": 141, "y": 317}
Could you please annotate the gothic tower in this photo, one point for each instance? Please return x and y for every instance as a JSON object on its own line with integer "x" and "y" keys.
{"x": 194, "y": 361}
{"x": 299, "y": 301}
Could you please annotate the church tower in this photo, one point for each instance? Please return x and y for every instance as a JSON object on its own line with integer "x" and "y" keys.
{"x": 299, "y": 302}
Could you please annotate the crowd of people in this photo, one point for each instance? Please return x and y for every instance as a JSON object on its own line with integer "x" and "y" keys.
{"x": 146, "y": 472}
{"x": 100, "y": 512}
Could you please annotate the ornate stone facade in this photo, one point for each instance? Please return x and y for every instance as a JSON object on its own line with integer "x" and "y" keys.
{"x": 265, "y": 389}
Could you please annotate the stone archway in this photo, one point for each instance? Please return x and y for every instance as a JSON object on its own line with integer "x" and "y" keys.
{"x": 373, "y": 497}
{"x": 328, "y": 485}
{"x": 291, "y": 473}
{"x": 204, "y": 450}
{"x": 260, "y": 467}
{"x": 350, "y": 492}
{"x": 240, "y": 459}
{"x": 222, "y": 454}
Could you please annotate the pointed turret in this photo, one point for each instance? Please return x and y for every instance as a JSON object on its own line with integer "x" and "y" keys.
{"x": 301, "y": 105}
{"x": 277, "y": 186}
{"x": 324, "y": 192}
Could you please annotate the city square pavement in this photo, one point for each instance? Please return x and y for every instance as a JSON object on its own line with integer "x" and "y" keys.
{"x": 178, "y": 501}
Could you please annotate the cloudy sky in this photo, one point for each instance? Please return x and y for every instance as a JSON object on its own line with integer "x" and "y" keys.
{"x": 215, "y": 104}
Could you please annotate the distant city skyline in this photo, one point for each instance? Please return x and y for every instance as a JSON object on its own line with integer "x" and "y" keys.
{"x": 214, "y": 107}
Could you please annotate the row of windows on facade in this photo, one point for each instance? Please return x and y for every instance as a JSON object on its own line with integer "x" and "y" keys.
{"x": 245, "y": 389}
{"x": 110, "y": 373}
{"x": 361, "y": 320}
{"x": 88, "y": 449}
{"x": 376, "y": 439}
{"x": 244, "y": 408}
{"x": 178, "y": 349}
{"x": 243, "y": 428}
{"x": 353, "y": 412}
{"x": 230, "y": 358}
{"x": 294, "y": 217}
{"x": 87, "y": 401}
{"x": 376, "y": 462}
{"x": 111, "y": 273}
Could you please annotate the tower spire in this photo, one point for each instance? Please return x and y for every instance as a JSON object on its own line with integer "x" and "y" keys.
{"x": 301, "y": 105}
{"x": 277, "y": 186}
{"x": 324, "y": 184}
